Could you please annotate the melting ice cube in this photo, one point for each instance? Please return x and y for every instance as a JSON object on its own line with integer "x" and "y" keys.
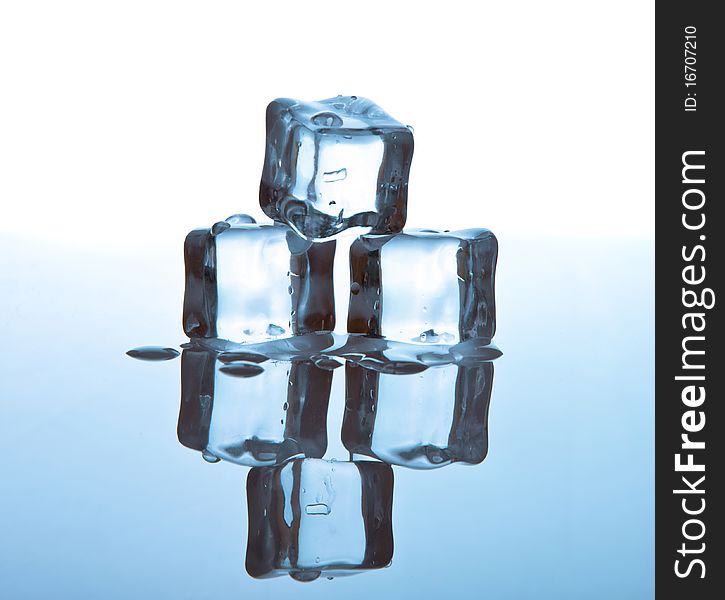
{"x": 309, "y": 517}
{"x": 277, "y": 412}
{"x": 254, "y": 283}
{"x": 422, "y": 421}
{"x": 334, "y": 164}
{"x": 424, "y": 286}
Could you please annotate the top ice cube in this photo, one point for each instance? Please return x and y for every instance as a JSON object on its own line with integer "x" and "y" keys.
{"x": 334, "y": 164}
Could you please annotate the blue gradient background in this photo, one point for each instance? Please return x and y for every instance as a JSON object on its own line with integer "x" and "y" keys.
{"x": 99, "y": 500}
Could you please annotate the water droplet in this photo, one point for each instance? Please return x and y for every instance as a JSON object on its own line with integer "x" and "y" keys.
{"x": 317, "y": 559}
{"x": 230, "y": 357}
{"x": 410, "y": 128}
{"x": 376, "y": 305}
{"x": 304, "y": 576}
{"x": 290, "y": 290}
{"x": 240, "y": 219}
{"x": 153, "y": 353}
{"x": 402, "y": 367}
{"x": 209, "y": 457}
{"x": 332, "y": 176}
{"x": 437, "y": 456}
{"x": 429, "y": 335}
{"x": 327, "y": 364}
{"x": 355, "y": 288}
{"x": 220, "y": 227}
{"x": 330, "y": 578}
{"x": 275, "y": 330}
{"x": 327, "y": 119}
{"x": 191, "y": 323}
{"x": 319, "y": 508}
{"x": 297, "y": 245}
{"x": 242, "y": 369}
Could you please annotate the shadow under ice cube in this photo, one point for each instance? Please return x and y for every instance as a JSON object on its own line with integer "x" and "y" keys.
{"x": 254, "y": 283}
{"x": 424, "y": 286}
{"x": 422, "y": 421}
{"x": 334, "y": 164}
{"x": 311, "y": 516}
{"x": 277, "y": 412}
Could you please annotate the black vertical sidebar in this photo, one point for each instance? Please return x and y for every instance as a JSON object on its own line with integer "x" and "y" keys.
{"x": 689, "y": 262}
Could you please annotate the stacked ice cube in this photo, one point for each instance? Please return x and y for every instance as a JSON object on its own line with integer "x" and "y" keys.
{"x": 273, "y": 310}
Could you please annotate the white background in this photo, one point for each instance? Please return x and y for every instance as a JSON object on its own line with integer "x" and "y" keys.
{"x": 130, "y": 123}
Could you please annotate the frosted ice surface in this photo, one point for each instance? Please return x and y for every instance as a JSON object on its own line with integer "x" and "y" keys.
{"x": 334, "y": 164}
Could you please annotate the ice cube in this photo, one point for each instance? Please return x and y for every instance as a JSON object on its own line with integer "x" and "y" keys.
{"x": 424, "y": 286}
{"x": 311, "y": 516}
{"x": 334, "y": 164}
{"x": 252, "y": 413}
{"x": 252, "y": 283}
{"x": 422, "y": 421}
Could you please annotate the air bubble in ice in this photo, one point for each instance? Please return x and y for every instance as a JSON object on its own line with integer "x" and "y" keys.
{"x": 332, "y": 176}
{"x": 319, "y": 508}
